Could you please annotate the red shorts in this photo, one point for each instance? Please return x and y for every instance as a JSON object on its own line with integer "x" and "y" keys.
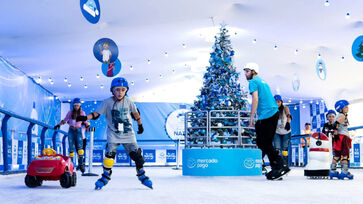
{"x": 342, "y": 145}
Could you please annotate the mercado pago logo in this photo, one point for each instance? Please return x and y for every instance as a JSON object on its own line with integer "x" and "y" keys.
{"x": 175, "y": 124}
{"x": 250, "y": 163}
{"x": 200, "y": 163}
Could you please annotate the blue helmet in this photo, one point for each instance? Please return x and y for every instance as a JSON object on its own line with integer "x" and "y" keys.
{"x": 278, "y": 98}
{"x": 339, "y": 105}
{"x": 76, "y": 100}
{"x": 331, "y": 111}
{"x": 119, "y": 81}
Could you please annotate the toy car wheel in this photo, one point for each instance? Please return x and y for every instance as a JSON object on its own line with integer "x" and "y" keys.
{"x": 39, "y": 181}
{"x": 31, "y": 181}
{"x": 74, "y": 179}
{"x": 66, "y": 180}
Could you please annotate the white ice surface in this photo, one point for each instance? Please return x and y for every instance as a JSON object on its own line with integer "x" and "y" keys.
{"x": 171, "y": 187}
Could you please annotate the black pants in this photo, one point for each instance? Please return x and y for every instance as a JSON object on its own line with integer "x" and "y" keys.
{"x": 265, "y": 132}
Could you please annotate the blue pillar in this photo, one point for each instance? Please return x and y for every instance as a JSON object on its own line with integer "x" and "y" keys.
{"x": 29, "y": 134}
{"x": 42, "y": 138}
{"x": 4, "y": 131}
{"x": 54, "y": 140}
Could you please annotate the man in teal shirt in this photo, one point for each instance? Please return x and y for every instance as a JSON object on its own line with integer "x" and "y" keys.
{"x": 267, "y": 116}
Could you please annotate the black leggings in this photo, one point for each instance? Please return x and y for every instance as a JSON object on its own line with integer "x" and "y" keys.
{"x": 265, "y": 131}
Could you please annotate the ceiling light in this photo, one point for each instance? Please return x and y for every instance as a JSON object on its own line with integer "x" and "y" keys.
{"x": 131, "y": 68}
{"x": 347, "y": 16}
{"x": 81, "y": 78}
{"x": 97, "y": 76}
{"x": 65, "y": 79}
{"x": 148, "y": 61}
{"x": 85, "y": 86}
{"x": 326, "y": 3}
{"x": 101, "y": 86}
{"x": 254, "y": 41}
{"x": 69, "y": 85}
{"x": 184, "y": 45}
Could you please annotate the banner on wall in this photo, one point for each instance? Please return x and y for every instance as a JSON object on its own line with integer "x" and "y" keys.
{"x": 149, "y": 155}
{"x": 175, "y": 124}
{"x": 122, "y": 157}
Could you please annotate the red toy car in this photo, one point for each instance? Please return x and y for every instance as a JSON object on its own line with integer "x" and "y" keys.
{"x": 51, "y": 166}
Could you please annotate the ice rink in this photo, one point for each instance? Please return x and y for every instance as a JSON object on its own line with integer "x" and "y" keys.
{"x": 171, "y": 187}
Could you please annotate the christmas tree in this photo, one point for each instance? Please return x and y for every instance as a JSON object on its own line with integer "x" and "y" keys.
{"x": 220, "y": 91}
{"x": 360, "y": 51}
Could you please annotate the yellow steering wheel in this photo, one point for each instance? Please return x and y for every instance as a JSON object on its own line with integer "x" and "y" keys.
{"x": 49, "y": 152}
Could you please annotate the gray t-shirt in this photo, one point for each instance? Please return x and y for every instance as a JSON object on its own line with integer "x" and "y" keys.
{"x": 118, "y": 119}
{"x": 342, "y": 127}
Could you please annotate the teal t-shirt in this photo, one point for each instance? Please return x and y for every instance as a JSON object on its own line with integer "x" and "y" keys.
{"x": 267, "y": 105}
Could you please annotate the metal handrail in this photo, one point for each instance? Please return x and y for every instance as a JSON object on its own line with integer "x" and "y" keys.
{"x": 4, "y": 130}
{"x": 238, "y": 118}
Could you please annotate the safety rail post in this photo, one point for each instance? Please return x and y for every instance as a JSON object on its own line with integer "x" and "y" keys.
{"x": 4, "y": 131}
{"x": 29, "y": 137}
{"x": 54, "y": 140}
{"x": 42, "y": 138}
{"x": 90, "y": 154}
{"x": 177, "y": 155}
{"x": 64, "y": 144}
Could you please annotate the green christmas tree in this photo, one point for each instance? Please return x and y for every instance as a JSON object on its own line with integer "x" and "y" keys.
{"x": 360, "y": 51}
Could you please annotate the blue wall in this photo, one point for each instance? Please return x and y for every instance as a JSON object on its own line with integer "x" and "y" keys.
{"x": 19, "y": 94}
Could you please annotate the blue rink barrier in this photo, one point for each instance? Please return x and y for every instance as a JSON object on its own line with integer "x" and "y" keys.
{"x": 19, "y": 148}
{"x": 155, "y": 152}
{"x": 222, "y": 162}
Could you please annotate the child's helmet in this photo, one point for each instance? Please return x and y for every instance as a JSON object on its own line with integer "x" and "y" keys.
{"x": 331, "y": 111}
{"x": 76, "y": 100}
{"x": 339, "y": 105}
{"x": 119, "y": 81}
{"x": 278, "y": 98}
